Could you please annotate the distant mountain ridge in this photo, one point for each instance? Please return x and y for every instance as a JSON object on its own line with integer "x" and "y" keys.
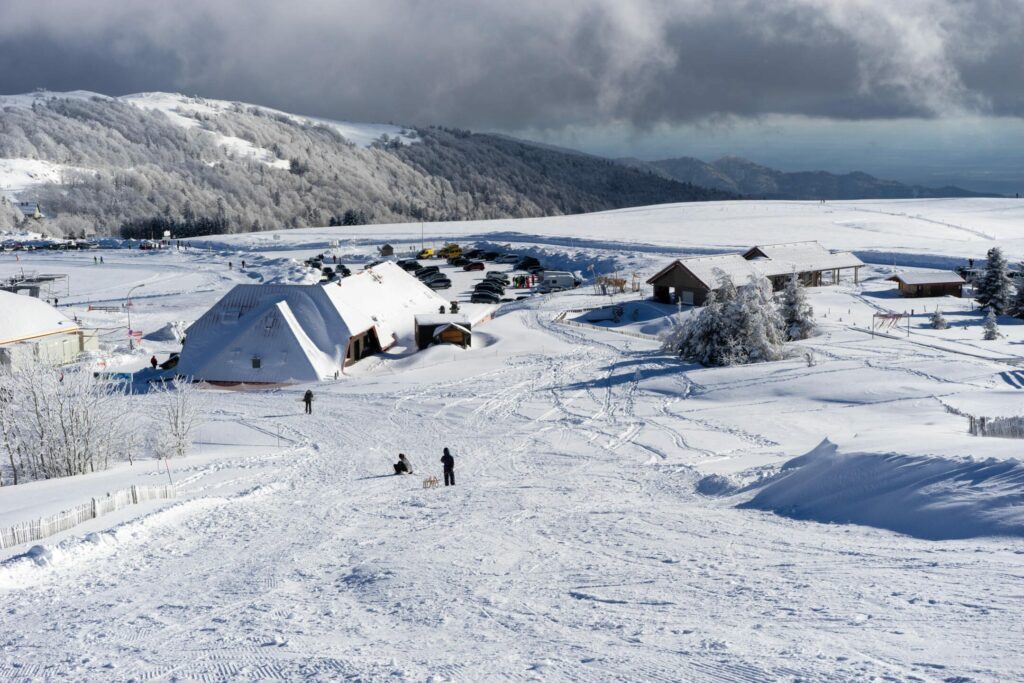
{"x": 141, "y": 164}
{"x": 744, "y": 177}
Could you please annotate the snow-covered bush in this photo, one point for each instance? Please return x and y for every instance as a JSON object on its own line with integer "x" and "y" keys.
{"x": 797, "y": 314}
{"x": 938, "y": 321}
{"x": 995, "y": 290}
{"x": 58, "y": 422}
{"x": 736, "y": 326}
{"x": 177, "y": 416}
{"x": 1017, "y": 305}
{"x": 991, "y": 326}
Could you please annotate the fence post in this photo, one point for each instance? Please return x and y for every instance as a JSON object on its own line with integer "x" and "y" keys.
{"x": 95, "y": 509}
{"x": 135, "y": 495}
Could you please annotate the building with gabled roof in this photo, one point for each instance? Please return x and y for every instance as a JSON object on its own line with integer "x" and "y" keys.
{"x": 934, "y": 283}
{"x": 33, "y": 330}
{"x": 281, "y": 334}
{"x": 689, "y": 280}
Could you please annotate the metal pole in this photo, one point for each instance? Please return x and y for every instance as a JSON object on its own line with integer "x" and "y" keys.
{"x": 128, "y": 305}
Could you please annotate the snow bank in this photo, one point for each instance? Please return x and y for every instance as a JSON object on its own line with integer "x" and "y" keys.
{"x": 923, "y": 496}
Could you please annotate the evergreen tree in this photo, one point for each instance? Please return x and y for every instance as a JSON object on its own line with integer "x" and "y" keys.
{"x": 735, "y": 326}
{"x": 797, "y": 314}
{"x": 995, "y": 289}
{"x": 937, "y": 321}
{"x": 1017, "y": 305}
{"x": 991, "y": 326}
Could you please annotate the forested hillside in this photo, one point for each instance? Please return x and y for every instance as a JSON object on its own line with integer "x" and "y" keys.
{"x": 138, "y": 165}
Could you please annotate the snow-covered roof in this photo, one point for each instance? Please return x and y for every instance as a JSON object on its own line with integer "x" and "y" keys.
{"x": 769, "y": 260}
{"x": 942, "y": 277}
{"x": 801, "y": 257}
{"x": 26, "y": 317}
{"x": 449, "y": 326}
{"x": 302, "y": 332}
{"x": 707, "y": 268}
{"x": 443, "y": 319}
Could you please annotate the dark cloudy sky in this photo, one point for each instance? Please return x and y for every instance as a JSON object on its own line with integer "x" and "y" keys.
{"x": 818, "y": 82}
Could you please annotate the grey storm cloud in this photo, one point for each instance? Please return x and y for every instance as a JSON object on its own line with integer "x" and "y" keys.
{"x": 534, "y": 63}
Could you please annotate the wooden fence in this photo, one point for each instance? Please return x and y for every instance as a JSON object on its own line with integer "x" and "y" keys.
{"x": 26, "y": 532}
{"x": 1005, "y": 427}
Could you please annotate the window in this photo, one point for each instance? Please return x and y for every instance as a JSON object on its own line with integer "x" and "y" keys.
{"x": 256, "y": 362}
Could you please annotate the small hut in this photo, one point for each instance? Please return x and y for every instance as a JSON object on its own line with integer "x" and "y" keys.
{"x": 451, "y": 333}
{"x": 387, "y": 250}
{"x": 936, "y": 283}
{"x": 429, "y": 326}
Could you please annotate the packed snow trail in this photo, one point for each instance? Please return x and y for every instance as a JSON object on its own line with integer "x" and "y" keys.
{"x": 563, "y": 553}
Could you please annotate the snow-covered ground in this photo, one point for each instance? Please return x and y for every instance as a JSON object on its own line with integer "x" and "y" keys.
{"x": 618, "y": 515}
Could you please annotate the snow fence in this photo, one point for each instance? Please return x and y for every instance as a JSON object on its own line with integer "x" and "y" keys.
{"x": 26, "y": 532}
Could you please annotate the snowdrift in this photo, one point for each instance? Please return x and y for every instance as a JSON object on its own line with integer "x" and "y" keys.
{"x": 927, "y": 497}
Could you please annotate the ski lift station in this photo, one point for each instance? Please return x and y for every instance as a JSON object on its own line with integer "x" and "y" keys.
{"x": 282, "y": 334}
{"x": 689, "y": 281}
{"x": 32, "y": 330}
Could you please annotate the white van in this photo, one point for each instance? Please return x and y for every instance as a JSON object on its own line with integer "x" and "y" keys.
{"x": 557, "y": 280}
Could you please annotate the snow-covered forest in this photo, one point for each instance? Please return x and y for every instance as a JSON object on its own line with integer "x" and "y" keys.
{"x": 205, "y": 167}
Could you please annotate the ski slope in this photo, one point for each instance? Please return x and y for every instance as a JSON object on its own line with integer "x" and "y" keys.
{"x": 618, "y": 515}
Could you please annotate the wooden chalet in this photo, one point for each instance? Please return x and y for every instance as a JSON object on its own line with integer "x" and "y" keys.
{"x": 688, "y": 281}
{"x": 939, "y": 283}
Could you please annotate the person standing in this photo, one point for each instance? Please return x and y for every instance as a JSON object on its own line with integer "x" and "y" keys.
{"x": 152, "y": 361}
{"x": 449, "y": 468}
{"x": 307, "y": 398}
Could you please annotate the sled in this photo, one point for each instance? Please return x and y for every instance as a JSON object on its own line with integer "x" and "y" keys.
{"x": 431, "y": 483}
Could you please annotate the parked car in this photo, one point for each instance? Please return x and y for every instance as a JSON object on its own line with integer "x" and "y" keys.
{"x": 489, "y": 287}
{"x": 490, "y": 255}
{"x": 426, "y": 253}
{"x": 439, "y": 283}
{"x": 343, "y": 270}
{"x": 430, "y": 277}
{"x": 497, "y": 275}
{"x": 536, "y": 270}
{"x": 371, "y": 264}
{"x": 474, "y": 265}
{"x": 411, "y": 266}
{"x": 507, "y": 258}
{"x": 474, "y": 254}
{"x": 484, "y": 298}
{"x": 526, "y": 263}
{"x": 428, "y": 269}
{"x": 459, "y": 262}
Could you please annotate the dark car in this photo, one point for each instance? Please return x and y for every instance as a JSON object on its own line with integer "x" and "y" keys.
{"x": 474, "y": 253}
{"x": 526, "y": 263}
{"x": 411, "y": 266}
{"x": 459, "y": 262}
{"x": 490, "y": 255}
{"x": 487, "y": 287}
{"x": 496, "y": 276}
{"x": 430, "y": 277}
{"x": 535, "y": 270}
{"x": 474, "y": 265}
{"x": 372, "y": 264}
{"x": 343, "y": 270}
{"x": 439, "y": 283}
{"x": 484, "y": 298}
{"x": 425, "y": 271}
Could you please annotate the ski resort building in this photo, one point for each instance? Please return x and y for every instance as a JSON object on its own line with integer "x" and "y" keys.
{"x": 939, "y": 283}
{"x": 32, "y": 330}
{"x": 281, "y": 334}
{"x": 689, "y": 281}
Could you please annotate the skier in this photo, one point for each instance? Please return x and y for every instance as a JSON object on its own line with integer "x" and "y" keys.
{"x": 95, "y": 260}
{"x": 101, "y": 260}
{"x": 403, "y": 466}
{"x": 307, "y": 398}
{"x": 230, "y": 265}
{"x": 152, "y": 361}
{"x": 243, "y": 265}
{"x": 449, "y": 468}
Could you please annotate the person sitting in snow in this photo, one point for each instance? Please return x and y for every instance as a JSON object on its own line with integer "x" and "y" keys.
{"x": 403, "y": 466}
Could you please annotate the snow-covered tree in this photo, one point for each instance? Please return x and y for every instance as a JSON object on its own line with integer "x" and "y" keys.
{"x": 991, "y": 326}
{"x": 797, "y": 314}
{"x": 995, "y": 290}
{"x": 59, "y": 422}
{"x": 938, "y": 321}
{"x": 1017, "y": 305}
{"x": 178, "y": 412}
{"x": 735, "y": 326}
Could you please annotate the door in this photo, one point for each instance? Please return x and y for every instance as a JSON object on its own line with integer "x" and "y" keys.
{"x": 686, "y": 297}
